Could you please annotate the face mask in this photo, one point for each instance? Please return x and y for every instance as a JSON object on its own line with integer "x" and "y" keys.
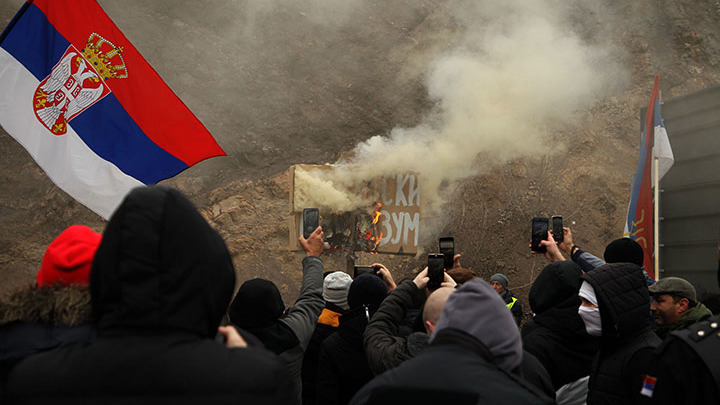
{"x": 591, "y": 318}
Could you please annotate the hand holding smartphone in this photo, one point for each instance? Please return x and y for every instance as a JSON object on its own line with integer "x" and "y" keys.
{"x": 311, "y": 220}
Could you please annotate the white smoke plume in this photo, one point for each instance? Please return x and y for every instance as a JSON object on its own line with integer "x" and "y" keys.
{"x": 517, "y": 70}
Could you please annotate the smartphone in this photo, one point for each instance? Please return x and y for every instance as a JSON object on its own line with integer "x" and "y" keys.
{"x": 360, "y": 270}
{"x": 436, "y": 270}
{"x": 447, "y": 248}
{"x": 539, "y": 233}
{"x": 311, "y": 220}
{"x": 557, "y": 228}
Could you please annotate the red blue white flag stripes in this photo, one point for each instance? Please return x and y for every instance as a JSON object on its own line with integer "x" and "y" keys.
{"x": 655, "y": 143}
{"x": 89, "y": 109}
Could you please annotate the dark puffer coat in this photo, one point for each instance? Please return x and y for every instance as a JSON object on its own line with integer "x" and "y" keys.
{"x": 627, "y": 342}
{"x": 556, "y": 335}
{"x": 161, "y": 281}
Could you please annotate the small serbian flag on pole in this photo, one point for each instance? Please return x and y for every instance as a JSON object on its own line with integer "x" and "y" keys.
{"x": 87, "y": 106}
{"x": 640, "y": 224}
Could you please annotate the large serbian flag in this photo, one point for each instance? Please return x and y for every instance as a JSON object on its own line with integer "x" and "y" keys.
{"x": 89, "y": 109}
{"x": 655, "y": 144}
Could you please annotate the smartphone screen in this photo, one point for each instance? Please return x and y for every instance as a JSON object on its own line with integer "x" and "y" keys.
{"x": 360, "y": 270}
{"x": 447, "y": 249}
{"x": 311, "y": 220}
{"x": 539, "y": 233}
{"x": 557, "y": 228}
{"x": 436, "y": 270}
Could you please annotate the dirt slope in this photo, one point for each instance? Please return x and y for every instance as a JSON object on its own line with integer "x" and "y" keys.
{"x": 302, "y": 84}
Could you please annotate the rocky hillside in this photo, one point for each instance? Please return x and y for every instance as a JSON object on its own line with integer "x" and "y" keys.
{"x": 279, "y": 83}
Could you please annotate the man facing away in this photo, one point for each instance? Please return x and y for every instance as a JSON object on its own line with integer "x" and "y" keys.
{"x": 259, "y": 309}
{"x": 160, "y": 283}
{"x": 467, "y": 362}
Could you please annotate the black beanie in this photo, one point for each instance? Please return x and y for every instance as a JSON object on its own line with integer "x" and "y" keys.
{"x": 624, "y": 250}
{"x": 366, "y": 289}
{"x": 257, "y": 303}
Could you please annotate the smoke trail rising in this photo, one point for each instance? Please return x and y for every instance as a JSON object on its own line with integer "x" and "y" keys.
{"x": 516, "y": 70}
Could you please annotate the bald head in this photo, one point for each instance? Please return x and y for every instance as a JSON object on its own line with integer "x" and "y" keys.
{"x": 434, "y": 306}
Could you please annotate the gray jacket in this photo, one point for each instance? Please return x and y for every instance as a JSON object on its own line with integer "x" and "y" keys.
{"x": 302, "y": 316}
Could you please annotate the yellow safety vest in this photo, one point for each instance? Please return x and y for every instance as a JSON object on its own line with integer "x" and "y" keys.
{"x": 510, "y": 304}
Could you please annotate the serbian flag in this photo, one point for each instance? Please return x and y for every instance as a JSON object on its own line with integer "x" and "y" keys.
{"x": 89, "y": 109}
{"x": 655, "y": 144}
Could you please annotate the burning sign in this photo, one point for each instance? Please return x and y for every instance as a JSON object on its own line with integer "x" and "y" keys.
{"x": 385, "y": 216}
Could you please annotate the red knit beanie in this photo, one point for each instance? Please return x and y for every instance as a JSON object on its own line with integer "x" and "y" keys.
{"x": 69, "y": 257}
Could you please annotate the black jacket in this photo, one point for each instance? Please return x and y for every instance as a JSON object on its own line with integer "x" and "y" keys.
{"x": 386, "y": 345}
{"x": 343, "y": 367}
{"x": 627, "y": 342}
{"x": 160, "y": 283}
{"x": 682, "y": 366}
{"x": 454, "y": 369}
{"x": 556, "y": 335}
{"x": 312, "y": 353}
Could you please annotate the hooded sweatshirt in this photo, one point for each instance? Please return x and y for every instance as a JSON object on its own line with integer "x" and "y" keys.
{"x": 160, "y": 283}
{"x": 474, "y": 351}
{"x": 475, "y": 307}
{"x": 556, "y": 335}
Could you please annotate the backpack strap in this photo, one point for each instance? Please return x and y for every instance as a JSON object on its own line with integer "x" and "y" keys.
{"x": 704, "y": 339}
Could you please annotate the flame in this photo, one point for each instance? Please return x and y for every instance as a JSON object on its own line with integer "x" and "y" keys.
{"x": 377, "y": 241}
{"x": 377, "y": 214}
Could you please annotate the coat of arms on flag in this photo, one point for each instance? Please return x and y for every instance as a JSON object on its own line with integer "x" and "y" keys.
{"x": 77, "y": 82}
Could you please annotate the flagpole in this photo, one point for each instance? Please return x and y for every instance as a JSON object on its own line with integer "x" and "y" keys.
{"x": 656, "y": 203}
{"x": 656, "y": 220}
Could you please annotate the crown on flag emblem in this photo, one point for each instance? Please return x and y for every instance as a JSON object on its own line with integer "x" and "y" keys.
{"x": 105, "y": 57}
{"x": 77, "y": 82}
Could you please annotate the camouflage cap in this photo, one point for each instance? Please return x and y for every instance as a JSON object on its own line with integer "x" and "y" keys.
{"x": 674, "y": 285}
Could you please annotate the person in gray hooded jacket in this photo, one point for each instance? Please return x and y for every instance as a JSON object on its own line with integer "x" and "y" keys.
{"x": 259, "y": 309}
{"x": 466, "y": 361}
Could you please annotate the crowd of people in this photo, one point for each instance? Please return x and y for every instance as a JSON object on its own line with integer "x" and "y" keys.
{"x": 146, "y": 313}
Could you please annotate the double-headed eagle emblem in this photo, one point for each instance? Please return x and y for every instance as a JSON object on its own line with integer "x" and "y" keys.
{"x": 77, "y": 82}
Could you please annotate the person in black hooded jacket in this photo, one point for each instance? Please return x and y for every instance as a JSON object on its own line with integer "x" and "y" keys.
{"x": 343, "y": 366}
{"x": 258, "y": 308}
{"x": 556, "y": 335}
{"x": 160, "y": 283}
{"x": 615, "y": 305}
